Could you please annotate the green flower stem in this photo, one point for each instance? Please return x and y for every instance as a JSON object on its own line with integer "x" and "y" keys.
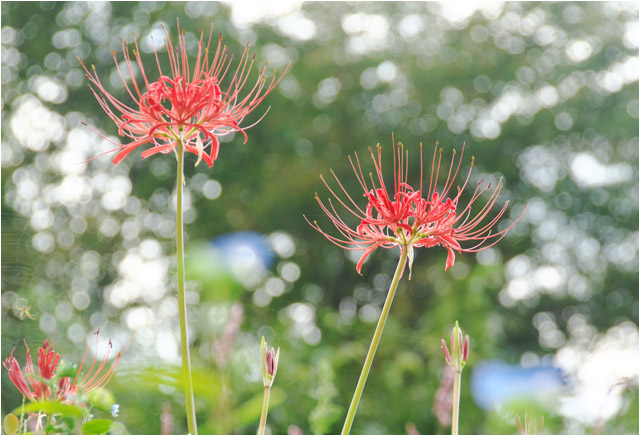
{"x": 182, "y": 303}
{"x": 265, "y": 410}
{"x": 374, "y": 343}
{"x": 457, "y": 379}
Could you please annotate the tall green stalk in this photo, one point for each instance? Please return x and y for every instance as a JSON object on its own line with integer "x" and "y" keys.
{"x": 374, "y": 343}
{"x": 457, "y": 379}
{"x": 182, "y": 303}
{"x": 265, "y": 410}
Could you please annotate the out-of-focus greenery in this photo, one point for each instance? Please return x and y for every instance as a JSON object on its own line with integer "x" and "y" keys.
{"x": 545, "y": 95}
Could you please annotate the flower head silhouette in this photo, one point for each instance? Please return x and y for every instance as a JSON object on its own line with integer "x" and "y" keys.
{"x": 35, "y": 387}
{"x": 186, "y": 105}
{"x": 411, "y": 217}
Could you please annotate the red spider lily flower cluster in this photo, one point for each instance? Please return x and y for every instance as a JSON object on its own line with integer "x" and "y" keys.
{"x": 187, "y": 106}
{"x": 459, "y": 354}
{"x": 35, "y": 387}
{"x": 413, "y": 217}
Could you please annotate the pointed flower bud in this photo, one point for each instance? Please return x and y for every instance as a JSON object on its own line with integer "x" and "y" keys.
{"x": 445, "y": 350}
{"x": 268, "y": 363}
{"x": 271, "y": 362}
{"x": 459, "y": 354}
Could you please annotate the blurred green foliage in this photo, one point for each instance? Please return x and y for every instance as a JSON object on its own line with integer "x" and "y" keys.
{"x": 544, "y": 95}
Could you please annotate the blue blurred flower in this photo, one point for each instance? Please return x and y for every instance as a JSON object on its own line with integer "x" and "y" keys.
{"x": 249, "y": 249}
{"x": 247, "y": 255}
{"x": 494, "y": 383}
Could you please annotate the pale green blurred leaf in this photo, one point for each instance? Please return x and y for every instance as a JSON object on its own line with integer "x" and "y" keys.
{"x": 96, "y": 426}
{"x": 11, "y": 424}
{"x": 250, "y": 411}
{"x": 51, "y": 408}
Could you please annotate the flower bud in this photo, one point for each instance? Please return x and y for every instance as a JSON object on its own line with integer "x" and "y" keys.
{"x": 457, "y": 357}
{"x": 465, "y": 352}
{"x": 271, "y": 363}
{"x": 268, "y": 363}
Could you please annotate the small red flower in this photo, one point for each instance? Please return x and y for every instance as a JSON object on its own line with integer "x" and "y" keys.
{"x": 186, "y": 105}
{"x": 37, "y": 389}
{"x": 412, "y": 217}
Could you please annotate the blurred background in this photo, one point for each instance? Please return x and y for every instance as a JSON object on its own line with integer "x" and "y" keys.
{"x": 545, "y": 95}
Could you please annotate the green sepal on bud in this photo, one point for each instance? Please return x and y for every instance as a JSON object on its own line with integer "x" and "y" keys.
{"x": 66, "y": 369}
{"x": 268, "y": 363}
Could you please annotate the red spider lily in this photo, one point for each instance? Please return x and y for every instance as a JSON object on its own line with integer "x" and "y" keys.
{"x": 37, "y": 387}
{"x": 47, "y": 365}
{"x": 188, "y": 105}
{"x": 407, "y": 219}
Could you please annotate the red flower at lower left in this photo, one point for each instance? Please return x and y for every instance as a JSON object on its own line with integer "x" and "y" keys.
{"x": 36, "y": 387}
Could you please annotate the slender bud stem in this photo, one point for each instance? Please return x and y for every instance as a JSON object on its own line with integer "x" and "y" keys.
{"x": 457, "y": 379}
{"x": 265, "y": 410}
{"x": 374, "y": 343}
{"x": 182, "y": 303}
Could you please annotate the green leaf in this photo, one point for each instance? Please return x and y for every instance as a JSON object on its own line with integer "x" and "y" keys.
{"x": 51, "y": 408}
{"x": 96, "y": 426}
{"x": 11, "y": 424}
{"x": 250, "y": 411}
